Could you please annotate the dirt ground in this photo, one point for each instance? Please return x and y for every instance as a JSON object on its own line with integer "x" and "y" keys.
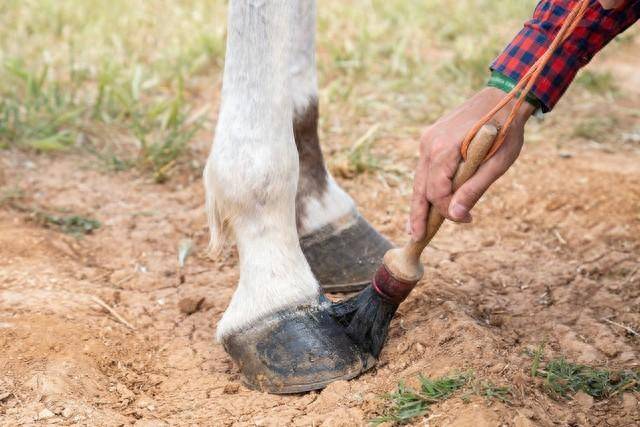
{"x": 554, "y": 250}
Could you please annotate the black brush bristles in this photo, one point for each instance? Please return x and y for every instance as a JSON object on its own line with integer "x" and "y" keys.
{"x": 366, "y": 317}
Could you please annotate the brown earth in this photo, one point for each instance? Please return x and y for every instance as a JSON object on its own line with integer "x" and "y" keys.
{"x": 554, "y": 250}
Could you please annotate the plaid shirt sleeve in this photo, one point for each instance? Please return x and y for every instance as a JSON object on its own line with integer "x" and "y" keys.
{"x": 597, "y": 28}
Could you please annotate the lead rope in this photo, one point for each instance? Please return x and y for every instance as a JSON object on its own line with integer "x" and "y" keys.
{"x": 568, "y": 26}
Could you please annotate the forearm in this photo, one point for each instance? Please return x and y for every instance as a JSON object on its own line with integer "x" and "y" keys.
{"x": 596, "y": 30}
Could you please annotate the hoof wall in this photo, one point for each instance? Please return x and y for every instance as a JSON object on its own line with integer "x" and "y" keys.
{"x": 345, "y": 256}
{"x": 296, "y": 351}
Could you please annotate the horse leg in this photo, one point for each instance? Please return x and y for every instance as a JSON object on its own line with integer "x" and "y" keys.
{"x": 277, "y": 327}
{"x": 343, "y": 250}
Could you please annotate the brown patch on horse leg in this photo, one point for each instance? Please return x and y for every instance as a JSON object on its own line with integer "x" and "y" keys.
{"x": 312, "y": 181}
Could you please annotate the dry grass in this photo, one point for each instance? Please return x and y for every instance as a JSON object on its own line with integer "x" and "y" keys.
{"x": 121, "y": 79}
{"x": 124, "y": 80}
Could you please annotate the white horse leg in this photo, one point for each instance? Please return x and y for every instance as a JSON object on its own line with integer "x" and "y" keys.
{"x": 275, "y": 328}
{"x": 342, "y": 248}
{"x": 252, "y": 172}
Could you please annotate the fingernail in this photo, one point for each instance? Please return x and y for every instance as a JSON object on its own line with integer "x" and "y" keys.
{"x": 459, "y": 212}
{"x": 407, "y": 227}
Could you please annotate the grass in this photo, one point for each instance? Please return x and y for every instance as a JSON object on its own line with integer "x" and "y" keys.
{"x": 71, "y": 224}
{"x": 48, "y": 116}
{"x": 121, "y": 80}
{"x": 133, "y": 82}
{"x": 74, "y": 224}
{"x": 406, "y": 403}
{"x": 400, "y": 64}
{"x": 117, "y": 82}
{"x": 491, "y": 392}
{"x": 562, "y": 378}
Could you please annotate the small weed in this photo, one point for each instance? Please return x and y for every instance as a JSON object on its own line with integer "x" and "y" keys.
{"x": 75, "y": 224}
{"x": 360, "y": 158}
{"x": 36, "y": 114}
{"x": 563, "y": 378}
{"x": 407, "y": 403}
{"x": 537, "y": 357}
{"x": 490, "y": 391}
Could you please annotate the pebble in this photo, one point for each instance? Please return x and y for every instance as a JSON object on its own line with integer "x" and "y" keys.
{"x": 231, "y": 388}
{"x": 190, "y": 305}
{"x": 44, "y": 414}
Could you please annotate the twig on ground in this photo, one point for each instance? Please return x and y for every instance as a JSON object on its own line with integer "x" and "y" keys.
{"x": 112, "y": 312}
{"x": 559, "y": 237}
{"x": 630, "y": 276}
{"x": 620, "y": 325}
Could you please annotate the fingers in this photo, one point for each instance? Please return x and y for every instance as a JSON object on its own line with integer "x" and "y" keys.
{"x": 445, "y": 156}
{"x": 440, "y": 156}
{"x": 432, "y": 184}
{"x": 469, "y": 193}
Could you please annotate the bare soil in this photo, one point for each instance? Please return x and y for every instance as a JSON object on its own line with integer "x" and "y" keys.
{"x": 554, "y": 250}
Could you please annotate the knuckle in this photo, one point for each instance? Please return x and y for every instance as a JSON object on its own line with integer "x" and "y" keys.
{"x": 439, "y": 185}
{"x": 426, "y": 134}
{"x": 440, "y": 148}
{"x": 435, "y": 149}
{"x": 471, "y": 194}
{"x": 439, "y": 201}
{"x": 500, "y": 167}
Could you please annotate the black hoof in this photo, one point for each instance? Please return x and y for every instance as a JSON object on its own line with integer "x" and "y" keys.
{"x": 296, "y": 351}
{"x": 345, "y": 256}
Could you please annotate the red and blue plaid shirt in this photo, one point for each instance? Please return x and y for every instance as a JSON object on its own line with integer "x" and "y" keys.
{"x": 597, "y": 28}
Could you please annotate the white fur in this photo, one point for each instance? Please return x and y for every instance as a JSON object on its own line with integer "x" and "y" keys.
{"x": 252, "y": 172}
{"x": 331, "y": 206}
{"x": 334, "y": 203}
{"x": 304, "y": 77}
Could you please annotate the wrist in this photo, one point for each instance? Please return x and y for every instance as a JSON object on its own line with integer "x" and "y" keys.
{"x": 506, "y": 85}
{"x": 493, "y": 96}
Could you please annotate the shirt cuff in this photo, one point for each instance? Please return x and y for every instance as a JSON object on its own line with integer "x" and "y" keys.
{"x": 557, "y": 75}
{"x": 597, "y": 28}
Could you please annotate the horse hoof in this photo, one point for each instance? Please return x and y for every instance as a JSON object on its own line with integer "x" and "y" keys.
{"x": 345, "y": 255}
{"x": 296, "y": 351}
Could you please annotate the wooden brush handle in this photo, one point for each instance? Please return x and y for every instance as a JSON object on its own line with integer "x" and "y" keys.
{"x": 404, "y": 263}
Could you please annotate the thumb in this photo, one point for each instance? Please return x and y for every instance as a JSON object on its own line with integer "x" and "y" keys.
{"x": 466, "y": 197}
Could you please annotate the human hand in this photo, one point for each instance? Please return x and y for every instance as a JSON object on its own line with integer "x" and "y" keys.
{"x": 440, "y": 155}
{"x": 611, "y": 4}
